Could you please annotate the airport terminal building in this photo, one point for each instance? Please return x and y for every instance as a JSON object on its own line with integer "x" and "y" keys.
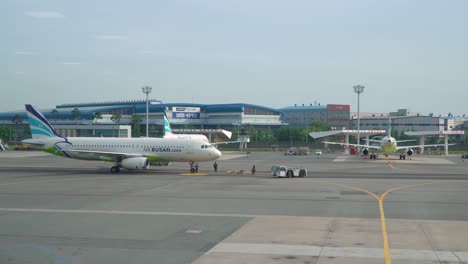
{"x": 114, "y": 119}
{"x": 335, "y": 115}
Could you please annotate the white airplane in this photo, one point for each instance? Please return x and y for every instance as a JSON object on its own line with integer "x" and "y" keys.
{"x": 128, "y": 153}
{"x": 168, "y": 134}
{"x": 386, "y": 145}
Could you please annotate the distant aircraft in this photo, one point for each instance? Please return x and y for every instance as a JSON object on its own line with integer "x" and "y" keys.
{"x": 168, "y": 134}
{"x": 129, "y": 153}
{"x": 386, "y": 145}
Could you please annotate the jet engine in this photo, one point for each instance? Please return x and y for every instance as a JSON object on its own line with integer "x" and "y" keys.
{"x": 409, "y": 152}
{"x": 365, "y": 152}
{"x": 140, "y": 163}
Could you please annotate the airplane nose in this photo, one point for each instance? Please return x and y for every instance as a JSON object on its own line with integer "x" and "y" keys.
{"x": 217, "y": 153}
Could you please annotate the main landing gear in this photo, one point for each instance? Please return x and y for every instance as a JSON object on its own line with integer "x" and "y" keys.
{"x": 115, "y": 169}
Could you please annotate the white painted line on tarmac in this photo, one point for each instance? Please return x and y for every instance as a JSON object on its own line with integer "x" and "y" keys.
{"x": 37, "y": 210}
{"x": 340, "y": 159}
{"x": 316, "y": 251}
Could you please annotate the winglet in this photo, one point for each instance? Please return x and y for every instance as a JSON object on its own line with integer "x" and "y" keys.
{"x": 38, "y": 124}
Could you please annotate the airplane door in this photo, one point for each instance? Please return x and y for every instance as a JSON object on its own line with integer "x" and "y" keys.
{"x": 190, "y": 148}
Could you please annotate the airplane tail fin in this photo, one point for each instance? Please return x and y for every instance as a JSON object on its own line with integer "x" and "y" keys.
{"x": 389, "y": 131}
{"x": 38, "y": 124}
{"x": 167, "y": 125}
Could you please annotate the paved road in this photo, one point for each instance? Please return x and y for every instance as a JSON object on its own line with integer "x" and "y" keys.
{"x": 68, "y": 211}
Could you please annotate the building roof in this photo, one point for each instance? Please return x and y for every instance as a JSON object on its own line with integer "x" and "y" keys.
{"x": 139, "y": 106}
{"x": 109, "y": 103}
{"x": 303, "y": 107}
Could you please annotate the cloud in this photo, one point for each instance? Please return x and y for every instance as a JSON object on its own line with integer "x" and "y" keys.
{"x": 25, "y": 53}
{"x": 44, "y": 14}
{"x": 110, "y": 37}
{"x": 70, "y": 63}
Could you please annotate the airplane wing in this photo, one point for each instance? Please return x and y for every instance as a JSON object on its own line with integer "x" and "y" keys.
{"x": 406, "y": 140}
{"x": 224, "y": 142}
{"x": 372, "y": 140}
{"x": 352, "y": 145}
{"x": 420, "y": 146}
{"x": 105, "y": 154}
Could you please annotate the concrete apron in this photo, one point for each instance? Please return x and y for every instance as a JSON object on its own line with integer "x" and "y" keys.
{"x": 272, "y": 239}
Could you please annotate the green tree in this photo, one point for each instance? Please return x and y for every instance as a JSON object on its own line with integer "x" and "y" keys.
{"x": 4, "y": 133}
{"x": 95, "y": 116}
{"x": 76, "y": 114}
{"x": 136, "y": 126}
{"x": 116, "y": 119}
{"x": 55, "y": 114}
{"x": 17, "y": 120}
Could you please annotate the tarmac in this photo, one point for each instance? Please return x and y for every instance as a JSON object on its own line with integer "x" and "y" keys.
{"x": 347, "y": 210}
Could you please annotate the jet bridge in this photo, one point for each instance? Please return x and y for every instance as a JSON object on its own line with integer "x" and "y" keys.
{"x": 423, "y": 134}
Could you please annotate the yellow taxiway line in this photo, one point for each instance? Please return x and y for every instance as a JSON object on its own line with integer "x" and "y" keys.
{"x": 193, "y": 174}
{"x": 380, "y": 199}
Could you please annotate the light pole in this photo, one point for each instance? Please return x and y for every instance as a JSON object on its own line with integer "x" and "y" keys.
{"x": 147, "y": 91}
{"x": 358, "y": 89}
{"x": 307, "y": 127}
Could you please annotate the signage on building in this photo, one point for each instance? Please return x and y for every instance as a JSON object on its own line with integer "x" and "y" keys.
{"x": 337, "y": 107}
{"x": 182, "y": 112}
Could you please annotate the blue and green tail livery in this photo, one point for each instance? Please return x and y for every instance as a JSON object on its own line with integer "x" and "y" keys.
{"x": 167, "y": 126}
{"x": 40, "y": 127}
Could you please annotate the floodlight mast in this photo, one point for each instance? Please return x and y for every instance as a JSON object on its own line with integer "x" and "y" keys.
{"x": 358, "y": 89}
{"x": 147, "y": 91}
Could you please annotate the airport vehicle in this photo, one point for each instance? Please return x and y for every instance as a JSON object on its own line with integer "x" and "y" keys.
{"x": 21, "y": 147}
{"x": 298, "y": 151}
{"x": 464, "y": 156}
{"x": 128, "y": 153}
{"x": 318, "y": 152}
{"x": 287, "y": 172}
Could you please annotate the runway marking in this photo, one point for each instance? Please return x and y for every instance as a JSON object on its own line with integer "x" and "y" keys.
{"x": 380, "y": 199}
{"x": 340, "y": 158}
{"x": 193, "y": 174}
{"x": 39, "y": 210}
{"x": 350, "y": 252}
{"x": 55, "y": 180}
{"x": 389, "y": 162}
{"x": 54, "y": 254}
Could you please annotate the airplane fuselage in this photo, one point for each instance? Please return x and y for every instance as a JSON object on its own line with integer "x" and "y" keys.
{"x": 388, "y": 145}
{"x": 155, "y": 149}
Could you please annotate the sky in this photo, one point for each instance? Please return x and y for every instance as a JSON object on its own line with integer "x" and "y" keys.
{"x": 407, "y": 54}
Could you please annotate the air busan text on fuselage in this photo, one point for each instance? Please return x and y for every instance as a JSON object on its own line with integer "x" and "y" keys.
{"x": 129, "y": 153}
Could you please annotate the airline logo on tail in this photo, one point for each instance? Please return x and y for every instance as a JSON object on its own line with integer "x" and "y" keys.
{"x": 40, "y": 127}
{"x": 167, "y": 126}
